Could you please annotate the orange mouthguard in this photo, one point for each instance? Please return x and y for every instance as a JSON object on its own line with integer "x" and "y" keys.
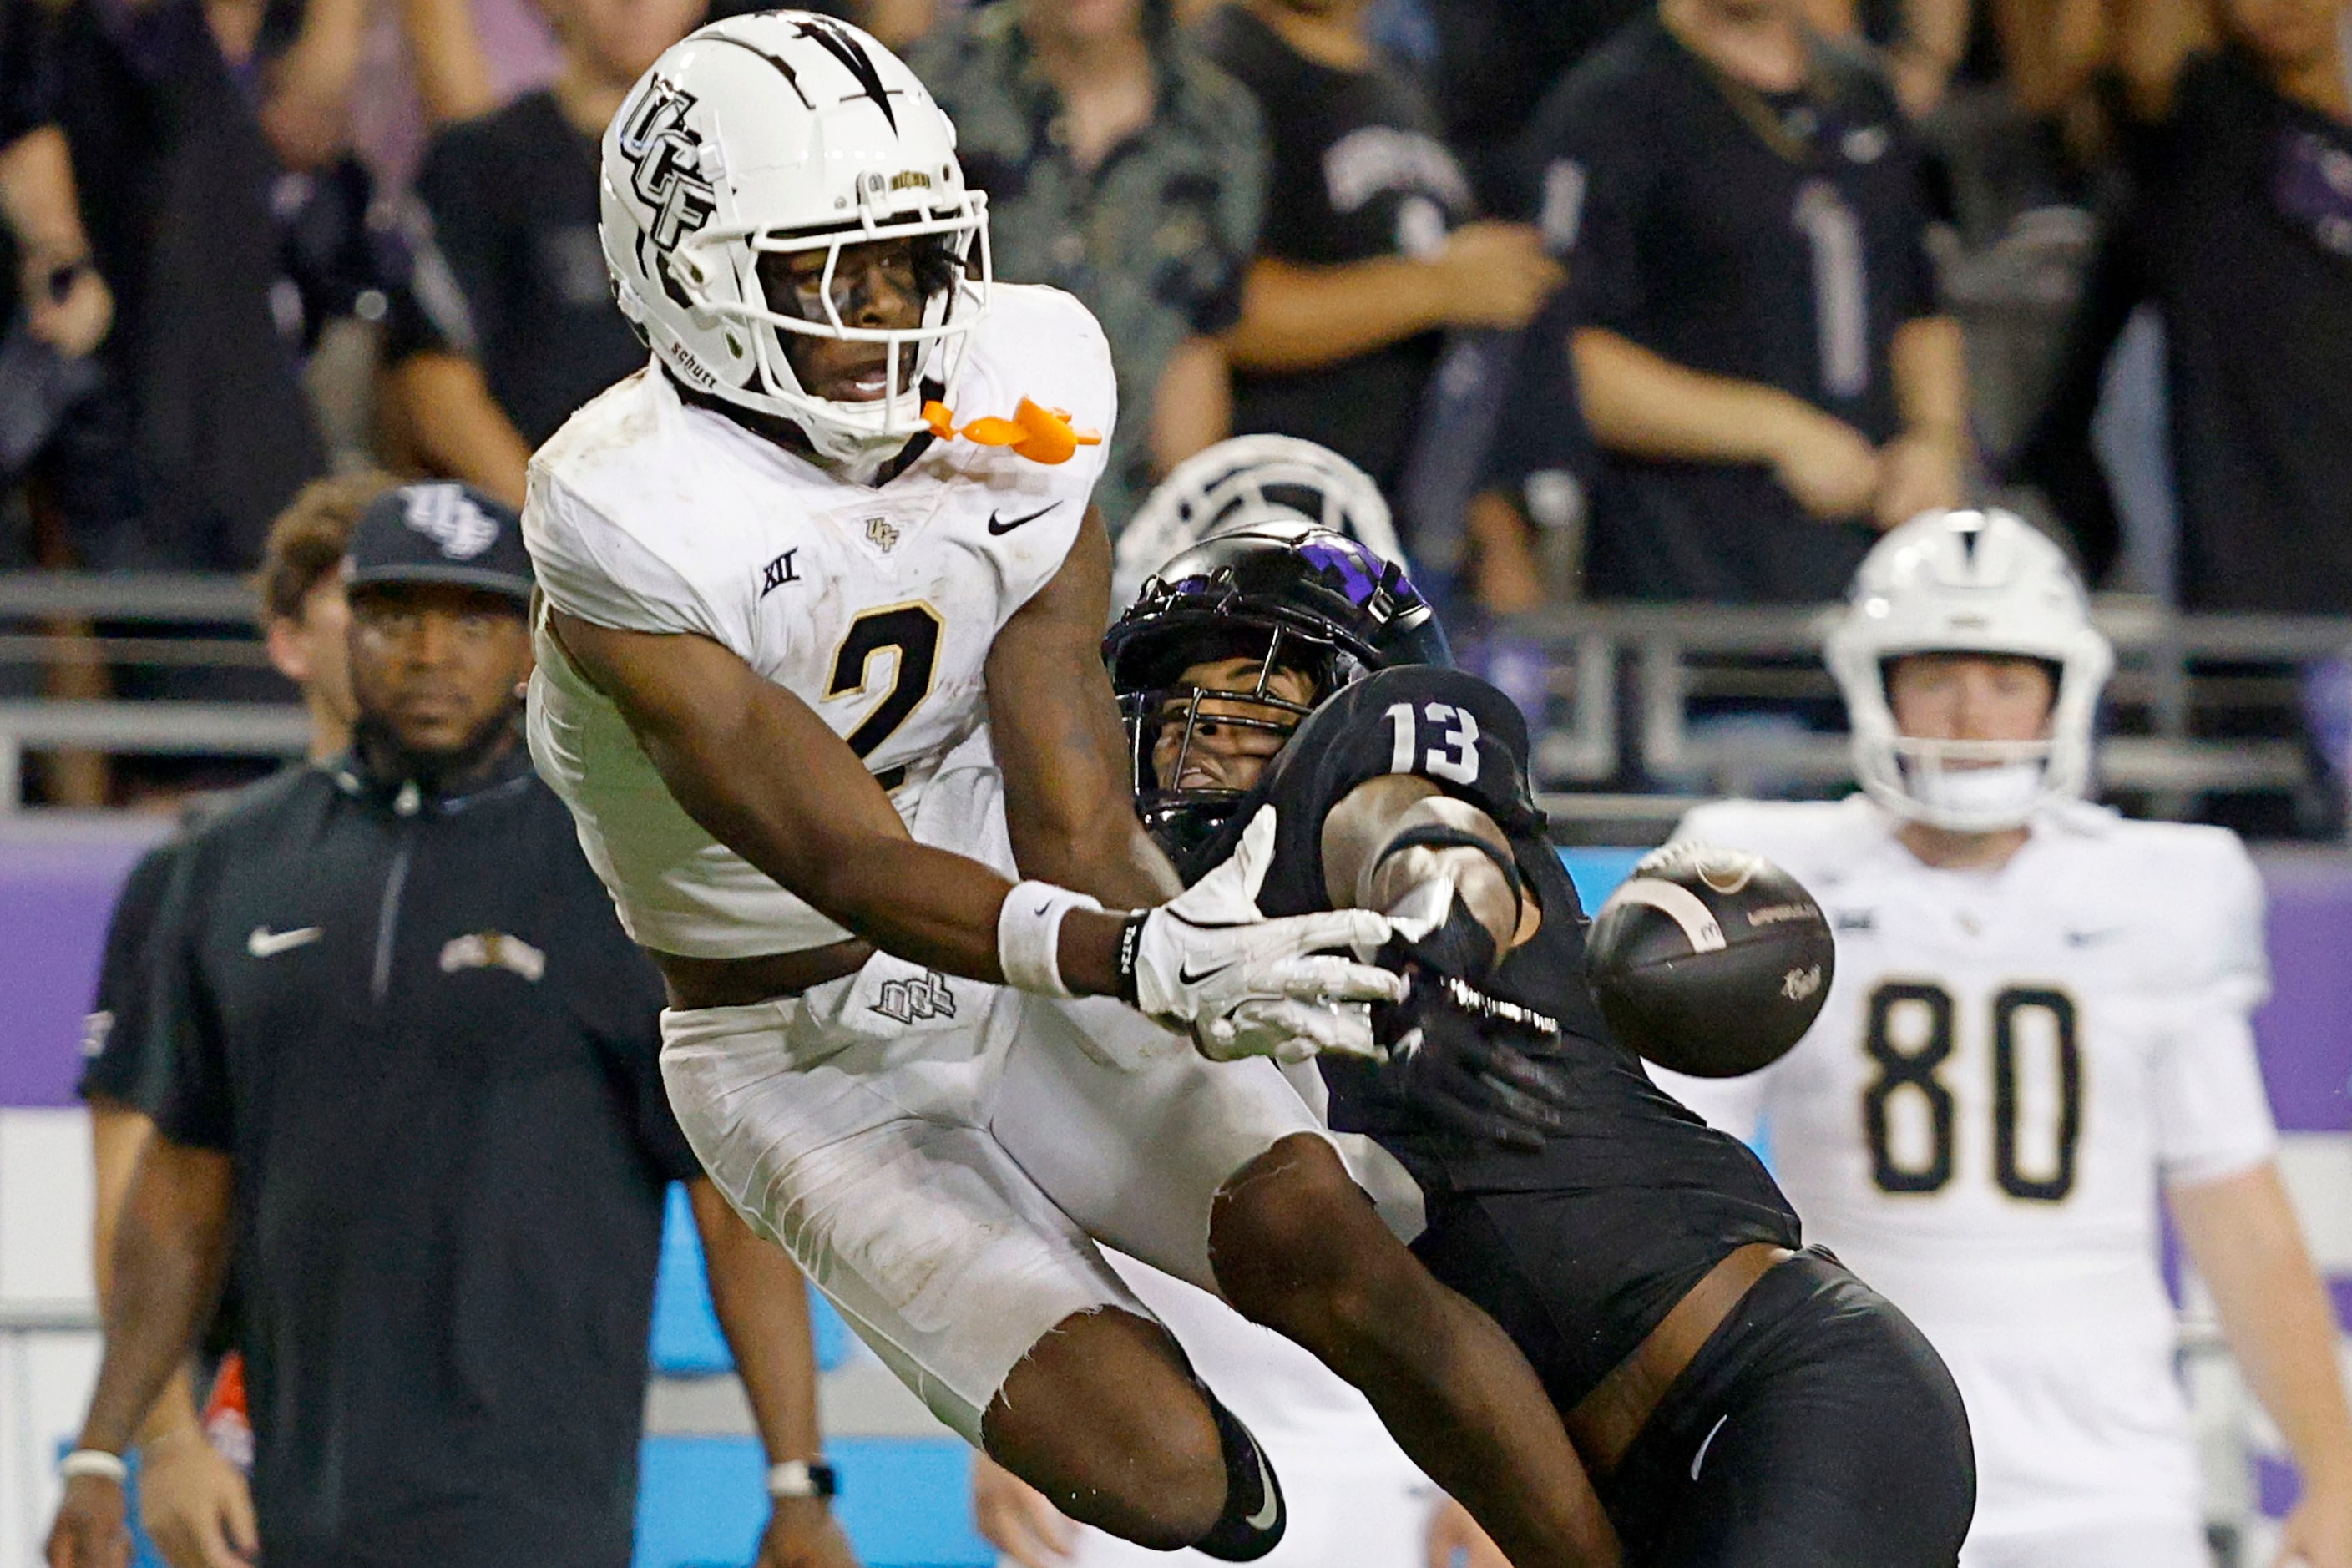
{"x": 1040, "y": 435}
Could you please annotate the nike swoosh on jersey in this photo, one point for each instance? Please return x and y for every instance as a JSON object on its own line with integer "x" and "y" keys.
{"x": 266, "y": 943}
{"x": 2085, "y": 938}
{"x": 996, "y": 527}
{"x": 1185, "y": 977}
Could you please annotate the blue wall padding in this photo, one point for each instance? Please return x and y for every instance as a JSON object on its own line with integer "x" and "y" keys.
{"x": 906, "y": 1503}
{"x": 1597, "y": 872}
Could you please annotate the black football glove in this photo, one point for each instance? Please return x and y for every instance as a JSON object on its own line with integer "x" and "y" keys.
{"x": 1467, "y": 1061}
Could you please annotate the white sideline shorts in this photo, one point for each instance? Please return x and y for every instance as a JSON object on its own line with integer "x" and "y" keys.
{"x": 936, "y": 1154}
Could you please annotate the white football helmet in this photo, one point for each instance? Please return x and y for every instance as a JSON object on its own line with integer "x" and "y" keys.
{"x": 1968, "y": 582}
{"x": 1224, "y": 488}
{"x": 778, "y": 132}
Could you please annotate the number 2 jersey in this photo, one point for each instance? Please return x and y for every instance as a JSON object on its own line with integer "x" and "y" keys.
{"x": 877, "y": 606}
{"x": 2006, "y": 1064}
{"x": 1615, "y": 1219}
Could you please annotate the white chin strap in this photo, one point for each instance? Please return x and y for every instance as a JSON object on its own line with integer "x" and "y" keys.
{"x": 1956, "y": 787}
{"x": 1968, "y": 797}
{"x": 857, "y": 459}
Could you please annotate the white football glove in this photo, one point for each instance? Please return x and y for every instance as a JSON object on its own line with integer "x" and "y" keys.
{"x": 1289, "y": 1031}
{"x": 1240, "y": 984}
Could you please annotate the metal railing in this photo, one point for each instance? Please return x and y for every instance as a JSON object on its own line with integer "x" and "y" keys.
{"x": 1661, "y": 659}
{"x": 1623, "y": 680}
{"x": 172, "y": 729}
{"x": 132, "y": 619}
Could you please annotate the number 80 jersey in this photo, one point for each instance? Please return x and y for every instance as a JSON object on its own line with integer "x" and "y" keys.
{"x": 877, "y": 606}
{"x": 2009, "y": 1061}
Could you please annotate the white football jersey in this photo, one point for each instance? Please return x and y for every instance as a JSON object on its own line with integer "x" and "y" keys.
{"x": 876, "y": 605}
{"x": 2008, "y": 1064}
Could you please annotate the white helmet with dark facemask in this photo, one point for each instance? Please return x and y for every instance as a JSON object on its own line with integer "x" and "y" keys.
{"x": 1250, "y": 481}
{"x": 779, "y": 132}
{"x": 1968, "y": 582}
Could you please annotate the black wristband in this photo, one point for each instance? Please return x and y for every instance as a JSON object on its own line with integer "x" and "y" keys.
{"x": 1445, "y": 835}
{"x": 1130, "y": 936}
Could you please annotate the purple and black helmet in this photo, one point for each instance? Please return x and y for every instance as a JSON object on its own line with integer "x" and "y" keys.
{"x": 1295, "y": 597}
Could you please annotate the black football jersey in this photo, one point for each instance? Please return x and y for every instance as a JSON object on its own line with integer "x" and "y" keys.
{"x": 1639, "y": 1198}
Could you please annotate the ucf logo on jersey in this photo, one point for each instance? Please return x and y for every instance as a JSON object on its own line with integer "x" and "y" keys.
{"x": 924, "y": 997}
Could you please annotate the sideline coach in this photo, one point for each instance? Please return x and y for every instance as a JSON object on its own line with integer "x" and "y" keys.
{"x": 414, "y": 1097}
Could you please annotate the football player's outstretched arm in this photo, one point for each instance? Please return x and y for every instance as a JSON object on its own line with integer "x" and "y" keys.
{"x": 1433, "y": 863}
{"x": 1068, "y": 794}
{"x": 760, "y": 772}
{"x": 756, "y": 767}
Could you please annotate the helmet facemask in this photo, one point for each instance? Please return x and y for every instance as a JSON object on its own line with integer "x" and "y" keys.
{"x": 1972, "y": 786}
{"x": 1969, "y": 582}
{"x": 952, "y": 271}
{"x": 1181, "y": 819}
{"x": 1976, "y": 785}
{"x": 928, "y": 354}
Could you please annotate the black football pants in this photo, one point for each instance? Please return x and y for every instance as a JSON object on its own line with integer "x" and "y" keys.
{"x": 1817, "y": 1428}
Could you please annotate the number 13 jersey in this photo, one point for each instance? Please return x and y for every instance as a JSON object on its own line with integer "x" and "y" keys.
{"x": 877, "y": 606}
{"x": 2007, "y": 1066}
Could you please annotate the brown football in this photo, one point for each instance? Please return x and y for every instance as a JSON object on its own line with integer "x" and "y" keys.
{"x": 1710, "y": 962}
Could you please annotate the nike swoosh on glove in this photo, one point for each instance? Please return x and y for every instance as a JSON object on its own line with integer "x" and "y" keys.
{"x": 1200, "y": 959}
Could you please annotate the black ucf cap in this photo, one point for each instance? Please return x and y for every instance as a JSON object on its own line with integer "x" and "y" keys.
{"x": 439, "y": 532}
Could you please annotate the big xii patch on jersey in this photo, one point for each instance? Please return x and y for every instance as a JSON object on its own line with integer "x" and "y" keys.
{"x": 875, "y": 605}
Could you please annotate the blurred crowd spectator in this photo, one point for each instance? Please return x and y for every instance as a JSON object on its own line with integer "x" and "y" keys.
{"x": 1755, "y": 328}
{"x": 1699, "y": 272}
{"x": 512, "y": 197}
{"x": 1371, "y": 245}
{"x": 2242, "y": 238}
{"x": 1123, "y": 167}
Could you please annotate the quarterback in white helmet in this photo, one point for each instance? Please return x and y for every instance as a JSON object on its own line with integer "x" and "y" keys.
{"x": 817, "y": 677}
{"x": 2040, "y": 1018}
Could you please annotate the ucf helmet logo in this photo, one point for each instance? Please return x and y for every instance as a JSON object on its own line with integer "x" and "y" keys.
{"x": 666, "y": 160}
